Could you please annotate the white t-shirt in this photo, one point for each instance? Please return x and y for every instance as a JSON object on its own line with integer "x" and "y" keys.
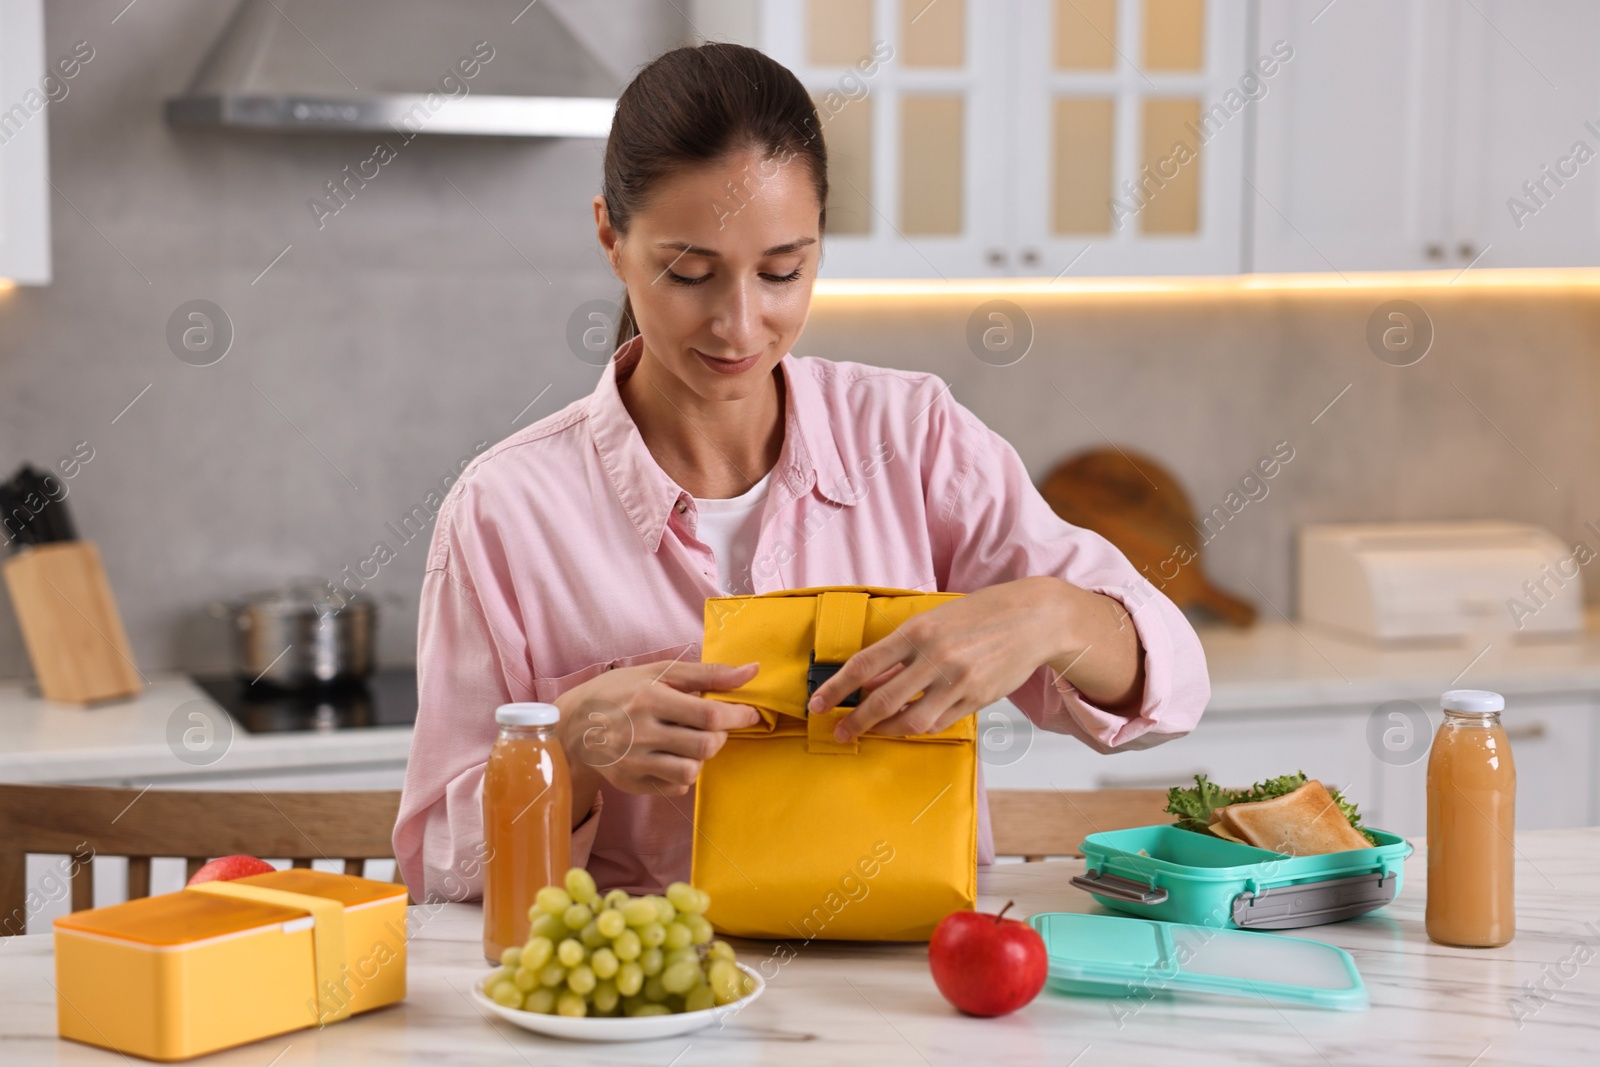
{"x": 730, "y": 527}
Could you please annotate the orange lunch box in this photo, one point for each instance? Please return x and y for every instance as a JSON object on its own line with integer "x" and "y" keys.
{"x": 225, "y": 963}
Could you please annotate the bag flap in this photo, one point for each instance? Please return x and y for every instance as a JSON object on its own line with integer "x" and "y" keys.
{"x": 779, "y": 631}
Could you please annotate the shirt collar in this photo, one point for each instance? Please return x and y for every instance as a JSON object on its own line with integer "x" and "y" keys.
{"x": 810, "y": 455}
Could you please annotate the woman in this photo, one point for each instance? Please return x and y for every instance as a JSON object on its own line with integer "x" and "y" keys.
{"x": 571, "y": 562}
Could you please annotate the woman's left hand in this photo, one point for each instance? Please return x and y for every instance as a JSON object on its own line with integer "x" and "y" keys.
{"x": 970, "y": 652}
{"x": 962, "y": 656}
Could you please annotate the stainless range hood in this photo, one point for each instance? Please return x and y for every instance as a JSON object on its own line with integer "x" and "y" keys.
{"x": 474, "y": 67}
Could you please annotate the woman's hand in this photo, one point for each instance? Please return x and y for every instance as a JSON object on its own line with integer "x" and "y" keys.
{"x": 646, "y": 729}
{"x": 966, "y": 654}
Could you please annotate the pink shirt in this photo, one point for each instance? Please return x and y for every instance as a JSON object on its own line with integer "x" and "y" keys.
{"x": 565, "y": 550}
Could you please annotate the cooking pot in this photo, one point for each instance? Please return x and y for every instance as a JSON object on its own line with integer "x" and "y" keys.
{"x": 301, "y": 635}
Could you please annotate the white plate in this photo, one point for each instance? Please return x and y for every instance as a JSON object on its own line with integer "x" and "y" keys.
{"x": 618, "y": 1028}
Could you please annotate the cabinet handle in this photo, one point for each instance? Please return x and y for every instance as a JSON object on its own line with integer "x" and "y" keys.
{"x": 1533, "y": 731}
{"x": 1147, "y": 781}
{"x": 1466, "y": 249}
{"x": 1030, "y": 257}
{"x": 996, "y": 257}
{"x": 1434, "y": 251}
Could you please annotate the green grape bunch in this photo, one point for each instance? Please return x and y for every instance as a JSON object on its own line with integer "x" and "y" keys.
{"x": 616, "y": 954}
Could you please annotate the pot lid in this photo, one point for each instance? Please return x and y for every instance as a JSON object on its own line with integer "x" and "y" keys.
{"x": 308, "y": 596}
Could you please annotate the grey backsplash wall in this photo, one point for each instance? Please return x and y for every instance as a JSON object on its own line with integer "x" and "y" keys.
{"x": 424, "y": 318}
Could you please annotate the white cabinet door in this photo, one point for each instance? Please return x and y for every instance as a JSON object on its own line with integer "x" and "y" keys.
{"x": 1525, "y": 187}
{"x": 912, "y": 112}
{"x": 24, "y": 146}
{"x": 1350, "y": 137}
{"x": 1129, "y": 135}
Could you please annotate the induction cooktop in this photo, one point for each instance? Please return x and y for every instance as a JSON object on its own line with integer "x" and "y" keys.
{"x": 386, "y": 697}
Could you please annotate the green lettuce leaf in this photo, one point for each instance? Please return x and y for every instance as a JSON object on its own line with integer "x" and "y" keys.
{"x": 1193, "y": 806}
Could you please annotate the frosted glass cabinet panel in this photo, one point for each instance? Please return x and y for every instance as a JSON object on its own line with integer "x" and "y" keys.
{"x": 1082, "y": 142}
{"x": 837, "y": 31}
{"x": 848, "y": 135}
{"x": 932, "y": 130}
{"x": 933, "y": 33}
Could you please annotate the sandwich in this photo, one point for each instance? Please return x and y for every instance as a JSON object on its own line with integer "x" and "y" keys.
{"x": 1292, "y": 815}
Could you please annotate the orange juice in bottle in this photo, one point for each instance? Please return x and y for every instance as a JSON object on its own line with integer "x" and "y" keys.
{"x": 527, "y": 821}
{"x": 1472, "y": 792}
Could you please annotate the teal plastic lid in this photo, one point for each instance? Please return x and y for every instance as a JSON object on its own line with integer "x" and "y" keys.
{"x": 1109, "y": 955}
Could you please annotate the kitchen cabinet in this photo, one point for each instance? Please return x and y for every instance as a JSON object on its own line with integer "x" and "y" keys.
{"x": 24, "y": 153}
{"x": 1023, "y": 137}
{"x": 1523, "y": 190}
{"x": 1404, "y": 136}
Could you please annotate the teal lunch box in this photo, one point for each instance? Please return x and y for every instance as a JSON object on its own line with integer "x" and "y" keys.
{"x": 1176, "y": 875}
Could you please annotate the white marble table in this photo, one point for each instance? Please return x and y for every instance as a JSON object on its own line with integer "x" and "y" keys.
{"x": 846, "y": 1004}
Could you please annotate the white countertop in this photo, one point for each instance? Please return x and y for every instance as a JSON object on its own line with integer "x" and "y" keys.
{"x": 1279, "y": 664}
{"x": 43, "y": 741}
{"x": 843, "y": 1003}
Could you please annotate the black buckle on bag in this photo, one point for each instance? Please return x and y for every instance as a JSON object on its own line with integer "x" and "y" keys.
{"x": 817, "y": 673}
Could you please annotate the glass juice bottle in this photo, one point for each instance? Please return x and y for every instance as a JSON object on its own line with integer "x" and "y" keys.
{"x": 527, "y": 821}
{"x": 1472, "y": 792}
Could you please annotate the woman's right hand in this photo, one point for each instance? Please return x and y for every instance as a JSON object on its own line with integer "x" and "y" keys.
{"x": 646, "y": 729}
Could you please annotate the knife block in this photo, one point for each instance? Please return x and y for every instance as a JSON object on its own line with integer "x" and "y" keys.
{"x": 70, "y": 623}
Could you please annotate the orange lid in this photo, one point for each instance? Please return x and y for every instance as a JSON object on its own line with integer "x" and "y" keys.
{"x": 183, "y": 918}
{"x": 347, "y": 889}
{"x": 177, "y": 918}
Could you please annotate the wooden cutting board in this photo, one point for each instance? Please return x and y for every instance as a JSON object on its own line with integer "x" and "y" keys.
{"x": 1137, "y": 505}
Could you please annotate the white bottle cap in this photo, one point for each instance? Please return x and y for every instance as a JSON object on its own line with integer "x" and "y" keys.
{"x": 527, "y": 715}
{"x": 1472, "y": 700}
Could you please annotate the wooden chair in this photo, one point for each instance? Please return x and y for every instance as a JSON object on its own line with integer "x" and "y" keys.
{"x": 1034, "y": 824}
{"x": 85, "y": 822}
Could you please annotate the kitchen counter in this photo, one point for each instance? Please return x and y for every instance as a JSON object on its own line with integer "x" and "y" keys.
{"x": 833, "y": 1003}
{"x": 43, "y": 741}
{"x": 1278, "y": 664}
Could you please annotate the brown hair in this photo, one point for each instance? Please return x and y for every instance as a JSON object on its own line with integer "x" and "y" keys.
{"x": 694, "y": 105}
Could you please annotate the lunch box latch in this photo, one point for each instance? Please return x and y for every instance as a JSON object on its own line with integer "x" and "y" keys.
{"x": 1120, "y": 888}
{"x": 1312, "y": 903}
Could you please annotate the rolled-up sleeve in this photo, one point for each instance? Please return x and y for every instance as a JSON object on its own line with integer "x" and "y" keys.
{"x": 996, "y": 528}
{"x": 464, "y": 672}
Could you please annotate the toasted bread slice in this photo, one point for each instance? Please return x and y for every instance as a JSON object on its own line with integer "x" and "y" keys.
{"x": 1305, "y": 822}
{"x": 1219, "y": 830}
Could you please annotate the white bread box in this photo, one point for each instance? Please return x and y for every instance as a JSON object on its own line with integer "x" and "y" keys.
{"x": 1440, "y": 580}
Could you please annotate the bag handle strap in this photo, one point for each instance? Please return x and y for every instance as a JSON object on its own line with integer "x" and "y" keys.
{"x": 840, "y": 625}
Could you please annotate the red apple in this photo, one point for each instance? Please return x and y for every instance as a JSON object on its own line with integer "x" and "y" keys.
{"x": 987, "y": 964}
{"x": 227, "y": 868}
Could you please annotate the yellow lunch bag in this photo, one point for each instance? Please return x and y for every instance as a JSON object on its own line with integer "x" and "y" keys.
{"x": 799, "y": 836}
